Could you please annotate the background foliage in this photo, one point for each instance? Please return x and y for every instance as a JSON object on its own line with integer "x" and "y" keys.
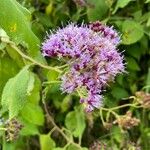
{"x": 34, "y": 113}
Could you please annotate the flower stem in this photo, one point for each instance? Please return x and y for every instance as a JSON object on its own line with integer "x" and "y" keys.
{"x": 31, "y": 59}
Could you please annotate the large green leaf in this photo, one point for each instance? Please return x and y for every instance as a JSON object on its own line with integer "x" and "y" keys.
{"x": 46, "y": 142}
{"x": 132, "y": 32}
{"x": 98, "y": 11}
{"x": 75, "y": 121}
{"x": 33, "y": 114}
{"x": 6, "y": 71}
{"x": 14, "y": 94}
{"x": 17, "y": 26}
{"x": 28, "y": 128}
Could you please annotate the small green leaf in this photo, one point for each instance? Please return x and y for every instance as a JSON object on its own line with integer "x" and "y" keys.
{"x": 98, "y": 11}
{"x": 75, "y": 121}
{"x": 117, "y": 135}
{"x": 34, "y": 96}
{"x": 30, "y": 84}
{"x": 119, "y": 92}
{"x": 121, "y": 4}
{"x": 46, "y": 142}
{"x": 65, "y": 103}
{"x": 132, "y": 64}
{"x": 132, "y": 32}
{"x": 14, "y": 94}
{"x": 33, "y": 114}
{"x": 52, "y": 75}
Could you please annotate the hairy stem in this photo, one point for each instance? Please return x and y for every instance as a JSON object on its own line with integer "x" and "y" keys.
{"x": 12, "y": 44}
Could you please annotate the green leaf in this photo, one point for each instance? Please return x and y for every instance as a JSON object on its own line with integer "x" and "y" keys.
{"x": 148, "y": 1}
{"x": 6, "y": 71}
{"x": 98, "y": 11}
{"x": 75, "y": 121}
{"x": 30, "y": 83}
{"x": 28, "y": 128}
{"x": 59, "y": 148}
{"x": 132, "y": 32}
{"x": 15, "y": 56}
{"x": 52, "y": 75}
{"x": 132, "y": 64}
{"x": 33, "y": 114}
{"x": 121, "y": 4}
{"x": 135, "y": 51}
{"x": 34, "y": 96}
{"x": 44, "y": 19}
{"x": 119, "y": 92}
{"x": 25, "y": 11}
{"x": 46, "y": 142}
{"x": 14, "y": 94}
{"x": 73, "y": 147}
{"x": 9, "y": 146}
{"x": 117, "y": 135}
{"x": 66, "y": 103}
{"x": 148, "y": 81}
{"x": 18, "y": 28}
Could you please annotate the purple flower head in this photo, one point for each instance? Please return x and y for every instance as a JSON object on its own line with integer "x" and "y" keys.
{"x": 107, "y": 32}
{"x": 92, "y": 57}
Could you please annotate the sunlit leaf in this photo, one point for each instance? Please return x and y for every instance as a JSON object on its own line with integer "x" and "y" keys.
{"x": 28, "y": 128}
{"x": 132, "y": 32}
{"x": 14, "y": 95}
{"x": 98, "y": 11}
{"x": 75, "y": 121}
{"x": 46, "y": 142}
{"x": 17, "y": 26}
{"x": 33, "y": 114}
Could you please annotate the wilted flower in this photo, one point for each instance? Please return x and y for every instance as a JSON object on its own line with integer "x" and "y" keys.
{"x": 91, "y": 55}
{"x": 127, "y": 121}
{"x": 143, "y": 98}
{"x": 13, "y": 127}
{"x": 108, "y": 125}
{"x": 99, "y": 145}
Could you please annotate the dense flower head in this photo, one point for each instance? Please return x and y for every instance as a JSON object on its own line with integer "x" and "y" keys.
{"x": 92, "y": 56}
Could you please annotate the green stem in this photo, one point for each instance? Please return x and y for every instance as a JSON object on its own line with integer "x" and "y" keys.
{"x": 126, "y": 105}
{"x": 3, "y": 129}
{"x": 31, "y": 59}
{"x": 58, "y": 129}
{"x": 101, "y": 115}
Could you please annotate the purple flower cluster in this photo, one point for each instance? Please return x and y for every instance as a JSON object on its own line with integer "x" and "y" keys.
{"x": 92, "y": 57}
